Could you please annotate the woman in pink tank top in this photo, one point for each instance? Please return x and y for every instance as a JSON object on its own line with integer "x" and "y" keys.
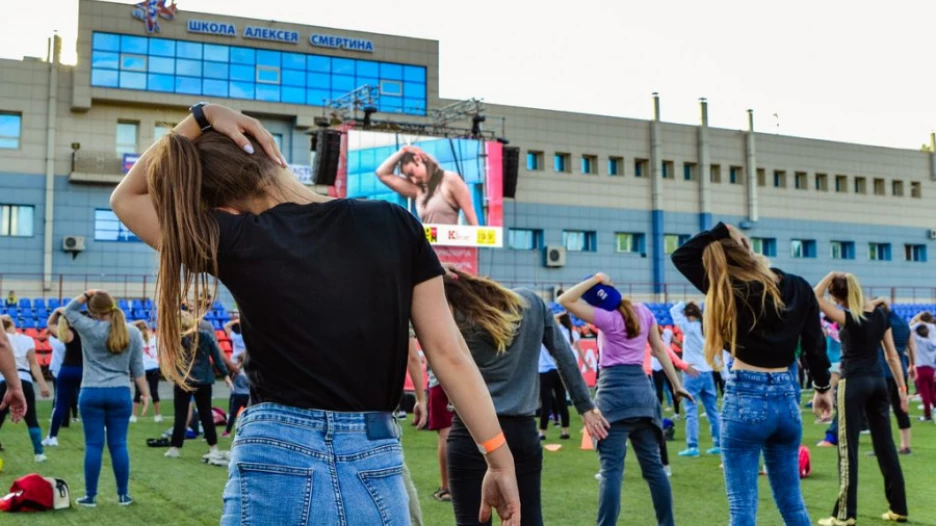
{"x": 440, "y": 195}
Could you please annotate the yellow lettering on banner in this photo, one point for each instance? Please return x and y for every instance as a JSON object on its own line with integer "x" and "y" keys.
{"x": 431, "y": 234}
{"x": 487, "y": 237}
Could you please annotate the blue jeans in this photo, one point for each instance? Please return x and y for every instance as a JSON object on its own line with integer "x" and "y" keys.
{"x": 105, "y": 411}
{"x": 702, "y": 389}
{"x": 287, "y": 462}
{"x": 67, "y": 386}
{"x": 644, "y": 437}
{"x": 761, "y": 413}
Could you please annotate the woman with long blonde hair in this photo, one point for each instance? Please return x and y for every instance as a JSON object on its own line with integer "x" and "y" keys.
{"x": 862, "y": 390}
{"x": 505, "y": 330}
{"x": 112, "y": 354}
{"x": 625, "y": 394}
{"x": 151, "y": 366}
{"x": 759, "y": 314}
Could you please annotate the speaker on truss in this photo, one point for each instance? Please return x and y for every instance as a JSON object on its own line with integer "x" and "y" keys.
{"x": 327, "y": 147}
{"x": 511, "y": 165}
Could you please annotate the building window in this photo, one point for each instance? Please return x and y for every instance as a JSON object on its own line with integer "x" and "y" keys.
{"x": 11, "y": 127}
{"x": 761, "y": 177}
{"x": 161, "y": 129}
{"x": 735, "y": 175}
{"x": 916, "y": 191}
{"x": 843, "y": 250}
{"x": 579, "y": 240}
{"x": 16, "y": 220}
{"x": 127, "y": 137}
{"x": 280, "y": 144}
{"x": 779, "y": 179}
{"x": 629, "y": 243}
{"x": 524, "y": 239}
{"x": 841, "y": 184}
{"x": 822, "y": 182}
{"x": 639, "y": 167}
{"x": 897, "y": 188}
{"x": 799, "y": 181}
{"x": 716, "y": 173}
{"x": 916, "y": 253}
{"x": 673, "y": 241}
{"x": 803, "y": 248}
{"x": 879, "y": 251}
{"x": 861, "y": 185}
{"x": 561, "y": 162}
{"x": 589, "y": 164}
{"x": 668, "y": 170}
{"x": 689, "y": 171}
{"x": 108, "y": 228}
{"x": 615, "y": 166}
{"x": 765, "y": 246}
{"x": 534, "y": 161}
{"x": 879, "y": 188}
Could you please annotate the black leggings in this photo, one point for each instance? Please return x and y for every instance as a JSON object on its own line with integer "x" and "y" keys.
{"x": 551, "y": 389}
{"x": 659, "y": 380}
{"x": 202, "y": 395}
{"x": 857, "y": 395}
{"x": 235, "y": 404}
{"x": 893, "y": 395}
{"x": 30, "y": 394}
{"x": 467, "y": 467}
{"x": 152, "y": 378}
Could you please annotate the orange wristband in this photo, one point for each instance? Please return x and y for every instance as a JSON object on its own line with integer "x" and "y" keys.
{"x": 903, "y": 389}
{"x": 491, "y": 445}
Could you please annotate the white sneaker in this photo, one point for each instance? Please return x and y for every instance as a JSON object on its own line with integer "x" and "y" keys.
{"x": 50, "y": 442}
{"x": 598, "y": 476}
{"x": 133, "y": 419}
{"x": 76, "y": 420}
{"x": 157, "y": 418}
{"x": 173, "y": 453}
{"x": 41, "y": 458}
{"x": 668, "y": 470}
{"x": 920, "y": 407}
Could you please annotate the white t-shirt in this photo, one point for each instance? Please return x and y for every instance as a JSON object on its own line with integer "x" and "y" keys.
{"x": 237, "y": 344}
{"x": 150, "y": 358}
{"x": 58, "y": 355}
{"x": 22, "y": 344}
{"x": 667, "y": 338}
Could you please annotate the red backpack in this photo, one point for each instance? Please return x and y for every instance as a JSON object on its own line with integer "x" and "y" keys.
{"x": 36, "y": 493}
{"x": 805, "y": 465}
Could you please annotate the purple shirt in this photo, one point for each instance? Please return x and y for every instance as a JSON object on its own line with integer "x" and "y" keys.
{"x": 614, "y": 345}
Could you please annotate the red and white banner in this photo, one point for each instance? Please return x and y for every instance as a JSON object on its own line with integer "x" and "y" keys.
{"x": 464, "y": 258}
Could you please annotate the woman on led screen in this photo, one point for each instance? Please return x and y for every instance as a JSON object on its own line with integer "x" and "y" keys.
{"x": 440, "y": 194}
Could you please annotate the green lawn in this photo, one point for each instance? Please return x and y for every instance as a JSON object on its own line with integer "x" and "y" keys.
{"x": 185, "y": 491}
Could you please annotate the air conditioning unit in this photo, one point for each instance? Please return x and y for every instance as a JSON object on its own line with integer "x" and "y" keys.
{"x": 555, "y": 256}
{"x": 932, "y": 234}
{"x": 73, "y": 243}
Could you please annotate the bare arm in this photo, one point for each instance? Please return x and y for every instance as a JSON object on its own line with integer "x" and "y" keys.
{"x": 573, "y": 302}
{"x": 893, "y": 361}
{"x": 397, "y": 183}
{"x": 828, "y": 308}
{"x": 462, "y": 196}
{"x": 14, "y": 400}
{"x": 37, "y": 373}
{"x": 414, "y": 367}
{"x": 227, "y": 327}
{"x": 659, "y": 350}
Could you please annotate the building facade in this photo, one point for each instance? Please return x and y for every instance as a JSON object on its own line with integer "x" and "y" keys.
{"x": 617, "y": 194}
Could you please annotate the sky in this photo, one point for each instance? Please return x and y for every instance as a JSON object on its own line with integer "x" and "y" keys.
{"x": 846, "y": 70}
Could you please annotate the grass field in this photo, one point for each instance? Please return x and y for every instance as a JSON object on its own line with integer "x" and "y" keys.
{"x": 185, "y": 491}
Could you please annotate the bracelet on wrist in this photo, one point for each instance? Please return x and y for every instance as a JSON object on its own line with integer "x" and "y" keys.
{"x": 493, "y": 444}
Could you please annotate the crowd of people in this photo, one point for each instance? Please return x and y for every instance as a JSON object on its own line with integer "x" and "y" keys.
{"x": 216, "y": 199}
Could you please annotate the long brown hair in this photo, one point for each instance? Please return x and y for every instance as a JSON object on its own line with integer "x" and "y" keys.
{"x": 631, "y": 321}
{"x": 847, "y": 289}
{"x": 731, "y": 271}
{"x": 100, "y": 306}
{"x": 566, "y": 322}
{"x": 187, "y": 180}
{"x": 144, "y": 330}
{"x": 485, "y": 304}
{"x": 435, "y": 172}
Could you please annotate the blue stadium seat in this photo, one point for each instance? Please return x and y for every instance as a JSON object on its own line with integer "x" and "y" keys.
{"x": 54, "y": 303}
{"x": 24, "y": 303}
{"x": 42, "y": 323}
{"x": 218, "y": 306}
{"x": 28, "y": 323}
{"x": 136, "y": 305}
{"x": 123, "y": 304}
{"x": 39, "y": 303}
{"x": 148, "y": 304}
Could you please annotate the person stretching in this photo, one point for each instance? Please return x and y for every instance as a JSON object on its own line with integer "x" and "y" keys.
{"x": 240, "y": 395}
{"x": 24, "y": 349}
{"x": 151, "y": 365}
{"x": 68, "y": 379}
{"x": 926, "y": 369}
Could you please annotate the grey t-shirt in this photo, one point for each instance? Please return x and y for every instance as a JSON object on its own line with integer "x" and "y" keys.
{"x": 512, "y": 377}
{"x": 102, "y": 368}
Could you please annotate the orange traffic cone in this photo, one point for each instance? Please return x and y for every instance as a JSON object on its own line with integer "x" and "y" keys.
{"x": 587, "y": 443}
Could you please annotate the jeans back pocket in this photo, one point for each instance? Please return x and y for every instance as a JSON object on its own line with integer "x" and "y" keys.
{"x": 272, "y": 494}
{"x": 748, "y": 409}
{"x": 388, "y": 491}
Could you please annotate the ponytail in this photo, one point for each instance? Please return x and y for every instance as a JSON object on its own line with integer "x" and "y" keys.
{"x": 631, "y": 322}
{"x": 720, "y": 307}
{"x": 855, "y": 300}
{"x": 61, "y": 328}
{"x": 101, "y": 305}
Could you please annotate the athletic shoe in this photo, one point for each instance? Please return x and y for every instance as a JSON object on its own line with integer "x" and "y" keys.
{"x": 50, "y": 442}
{"x": 598, "y": 476}
{"x": 677, "y": 417}
{"x": 76, "y": 420}
{"x": 690, "y": 452}
{"x": 158, "y": 419}
{"x": 124, "y": 500}
{"x": 866, "y": 432}
{"x": 225, "y": 434}
{"x": 903, "y": 451}
{"x": 41, "y": 458}
{"x": 832, "y": 521}
{"x": 173, "y": 453}
{"x": 668, "y": 470}
{"x": 542, "y": 438}
{"x": 920, "y": 407}
{"x": 564, "y": 436}
{"x": 133, "y": 419}
{"x": 924, "y": 419}
{"x": 703, "y": 415}
{"x": 891, "y": 516}
{"x": 87, "y": 502}
{"x": 713, "y": 451}
{"x": 442, "y": 495}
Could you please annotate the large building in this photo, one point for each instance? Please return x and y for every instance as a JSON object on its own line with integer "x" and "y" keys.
{"x": 617, "y": 194}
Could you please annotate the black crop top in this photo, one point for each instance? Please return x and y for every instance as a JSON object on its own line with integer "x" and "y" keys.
{"x": 324, "y": 291}
{"x": 73, "y": 356}
{"x": 770, "y": 338}
{"x": 860, "y": 343}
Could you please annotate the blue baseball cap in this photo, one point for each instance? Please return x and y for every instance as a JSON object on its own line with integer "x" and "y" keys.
{"x": 603, "y": 296}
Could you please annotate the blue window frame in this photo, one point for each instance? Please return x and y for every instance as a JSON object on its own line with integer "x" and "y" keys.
{"x": 391, "y": 88}
{"x": 342, "y": 83}
{"x": 162, "y": 47}
{"x": 189, "y": 50}
{"x": 630, "y": 243}
{"x": 216, "y": 53}
{"x": 765, "y": 246}
{"x": 319, "y": 81}
{"x": 268, "y": 58}
{"x": 162, "y": 65}
{"x": 156, "y": 82}
{"x": 105, "y": 78}
{"x": 105, "y": 60}
{"x": 803, "y": 248}
{"x": 414, "y": 90}
{"x": 105, "y": 42}
{"x": 615, "y": 165}
{"x": 414, "y": 74}
{"x": 524, "y": 239}
{"x": 293, "y": 95}
{"x": 638, "y": 168}
{"x": 133, "y": 62}
{"x": 342, "y": 66}
{"x": 318, "y": 64}
{"x": 241, "y": 90}
{"x": 391, "y": 71}
{"x": 216, "y": 70}
{"x": 188, "y": 68}
{"x": 17, "y": 220}
{"x": 108, "y": 228}
{"x": 843, "y": 249}
{"x": 579, "y": 240}
{"x": 367, "y": 68}
{"x": 188, "y": 85}
{"x": 317, "y": 97}
{"x": 215, "y": 88}
{"x": 268, "y": 74}
{"x": 294, "y": 61}
{"x": 294, "y": 78}
{"x": 268, "y": 93}
{"x": 534, "y": 161}
{"x": 245, "y": 73}
{"x": 915, "y": 253}
{"x": 131, "y": 44}
{"x": 129, "y": 80}
{"x": 673, "y": 241}
{"x": 879, "y": 251}
{"x": 243, "y": 55}
{"x": 11, "y": 129}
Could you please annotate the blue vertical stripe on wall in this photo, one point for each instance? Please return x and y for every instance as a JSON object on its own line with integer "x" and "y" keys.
{"x": 659, "y": 258}
{"x": 705, "y": 221}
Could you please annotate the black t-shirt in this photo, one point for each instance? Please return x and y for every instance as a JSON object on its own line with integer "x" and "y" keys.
{"x": 324, "y": 292}
{"x": 860, "y": 342}
{"x": 73, "y": 357}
